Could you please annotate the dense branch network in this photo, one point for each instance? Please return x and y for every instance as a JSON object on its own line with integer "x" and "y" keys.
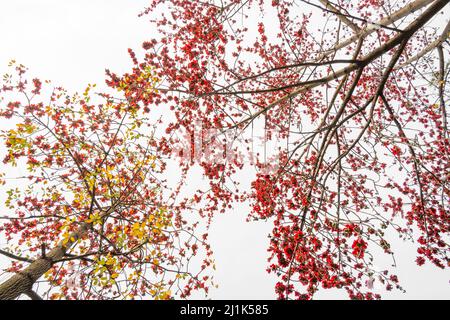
{"x": 353, "y": 117}
{"x": 95, "y": 220}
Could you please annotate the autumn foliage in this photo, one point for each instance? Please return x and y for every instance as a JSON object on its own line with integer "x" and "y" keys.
{"x": 94, "y": 190}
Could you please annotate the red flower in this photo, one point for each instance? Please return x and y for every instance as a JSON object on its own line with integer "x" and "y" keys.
{"x": 359, "y": 247}
{"x": 396, "y": 151}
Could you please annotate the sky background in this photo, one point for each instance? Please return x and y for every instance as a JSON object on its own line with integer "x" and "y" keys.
{"x": 71, "y": 42}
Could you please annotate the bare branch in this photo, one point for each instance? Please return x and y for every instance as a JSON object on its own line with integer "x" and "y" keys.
{"x": 16, "y": 257}
{"x": 341, "y": 16}
{"x": 403, "y": 12}
{"x": 33, "y": 295}
{"x": 396, "y": 40}
{"x": 435, "y": 44}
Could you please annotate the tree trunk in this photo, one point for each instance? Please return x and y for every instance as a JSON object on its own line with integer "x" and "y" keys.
{"x": 22, "y": 282}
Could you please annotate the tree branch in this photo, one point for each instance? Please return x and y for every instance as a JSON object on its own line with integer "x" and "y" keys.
{"x": 16, "y": 257}
{"x": 33, "y": 295}
{"x": 395, "y": 41}
{"x": 340, "y": 15}
{"x": 435, "y": 44}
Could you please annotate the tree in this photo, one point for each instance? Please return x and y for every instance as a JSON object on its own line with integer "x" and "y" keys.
{"x": 356, "y": 149}
{"x": 94, "y": 218}
{"x": 357, "y": 107}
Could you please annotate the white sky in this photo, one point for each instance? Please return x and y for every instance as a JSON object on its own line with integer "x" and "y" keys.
{"x": 71, "y": 42}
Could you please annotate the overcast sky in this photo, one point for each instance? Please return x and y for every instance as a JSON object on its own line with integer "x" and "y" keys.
{"x": 71, "y": 42}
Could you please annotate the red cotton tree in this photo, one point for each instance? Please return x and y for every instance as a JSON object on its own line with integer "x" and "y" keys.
{"x": 349, "y": 98}
{"x": 93, "y": 218}
{"x": 352, "y": 93}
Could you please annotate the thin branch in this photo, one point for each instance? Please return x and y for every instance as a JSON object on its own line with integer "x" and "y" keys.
{"x": 16, "y": 257}
{"x": 435, "y": 44}
{"x": 33, "y": 295}
{"x": 442, "y": 85}
{"x": 403, "y": 12}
